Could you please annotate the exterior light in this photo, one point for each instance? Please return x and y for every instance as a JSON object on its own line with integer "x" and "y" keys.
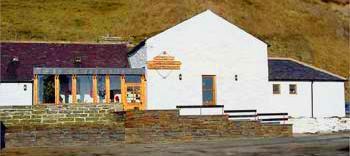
{"x": 77, "y": 60}
{"x": 15, "y": 59}
{"x": 180, "y": 76}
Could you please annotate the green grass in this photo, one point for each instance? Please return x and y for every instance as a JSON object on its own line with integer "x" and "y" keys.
{"x": 308, "y": 30}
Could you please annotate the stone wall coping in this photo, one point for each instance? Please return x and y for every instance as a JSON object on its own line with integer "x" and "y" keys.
{"x": 152, "y": 110}
{"x": 223, "y": 115}
{"x": 60, "y": 105}
{"x": 272, "y": 124}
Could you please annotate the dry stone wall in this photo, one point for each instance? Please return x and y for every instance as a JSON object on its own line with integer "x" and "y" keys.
{"x": 62, "y": 125}
{"x": 58, "y": 114}
{"x": 89, "y": 124}
{"x": 168, "y": 126}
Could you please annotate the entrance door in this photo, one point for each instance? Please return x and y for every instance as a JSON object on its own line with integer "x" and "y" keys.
{"x": 208, "y": 90}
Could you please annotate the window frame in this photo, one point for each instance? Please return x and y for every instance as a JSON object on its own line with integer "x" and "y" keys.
{"x": 273, "y": 89}
{"x": 296, "y": 89}
{"x": 213, "y": 90}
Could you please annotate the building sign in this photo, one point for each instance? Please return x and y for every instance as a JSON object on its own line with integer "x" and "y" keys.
{"x": 165, "y": 62}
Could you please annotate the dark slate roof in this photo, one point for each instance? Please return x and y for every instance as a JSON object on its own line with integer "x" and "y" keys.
{"x": 57, "y": 55}
{"x": 291, "y": 70}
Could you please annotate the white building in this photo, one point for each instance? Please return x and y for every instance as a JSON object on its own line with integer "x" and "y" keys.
{"x": 304, "y": 90}
{"x": 223, "y": 65}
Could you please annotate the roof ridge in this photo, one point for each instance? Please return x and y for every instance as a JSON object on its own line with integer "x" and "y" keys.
{"x": 308, "y": 65}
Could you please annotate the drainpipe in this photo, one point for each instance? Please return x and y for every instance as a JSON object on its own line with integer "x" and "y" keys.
{"x": 312, "y": 99}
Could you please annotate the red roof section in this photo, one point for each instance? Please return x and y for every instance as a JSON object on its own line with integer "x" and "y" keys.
{"x": 57, "y": 55}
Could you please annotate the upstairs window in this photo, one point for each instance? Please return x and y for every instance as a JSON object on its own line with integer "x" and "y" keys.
{"x": 276, "y": 89}
{"x": 292, "y": 89}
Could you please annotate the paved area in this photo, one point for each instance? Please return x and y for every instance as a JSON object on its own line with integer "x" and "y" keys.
{"x": 320, "y": 145}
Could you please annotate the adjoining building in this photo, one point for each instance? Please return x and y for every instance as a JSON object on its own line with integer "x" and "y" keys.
{"x": 204, "y": 61}
{"x": 42, "y": 73}
{"x": 304, "y": 90}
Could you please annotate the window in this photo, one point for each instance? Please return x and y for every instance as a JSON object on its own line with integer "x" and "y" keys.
{"x": 101, "y": 88}
{"x": 208, "y": 90}
{"x": 133, "y": 94}
{"x": 46, "y": 89}
{"x": 133, "y": 89}
{"x": 65, "y": 89}
{"x": 133, "y": 79}
{"x": 276, "y": 89}
{"x": 292, "y": 89}
{"x": 84, "y": 89}
{"x": 115, "y": 90}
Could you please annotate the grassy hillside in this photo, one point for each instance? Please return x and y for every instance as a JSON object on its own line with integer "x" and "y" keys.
{"x": 309, "y": 30}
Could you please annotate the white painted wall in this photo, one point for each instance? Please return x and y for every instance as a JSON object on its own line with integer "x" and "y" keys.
{"x": 294, "y": 104}
{"x": 13, "y": 94}
{"x": 208, "y": 45}
{"x": 329, "y": 99}
{"x": 138, "y": 59}
{"x": 201, "y": 111}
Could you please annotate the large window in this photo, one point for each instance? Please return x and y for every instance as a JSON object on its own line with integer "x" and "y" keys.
{"x": 46, "y": 89}
{"x": 88, "y": 89}
{"x": 101, "y": 88}
{"x": 65, "y": 89}
{"x": 208, "y": 90}
{"x": 115, "y": 90}
{"x": 84, "y": 89}
{"x": 276, "y": 89}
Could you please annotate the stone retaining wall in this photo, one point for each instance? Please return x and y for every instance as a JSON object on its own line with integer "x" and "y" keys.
{"x": 168, "y": 126}
{"x": 100, "y": 124}
{"x": 86, "y": 134}
{"x": 58, "y": 114}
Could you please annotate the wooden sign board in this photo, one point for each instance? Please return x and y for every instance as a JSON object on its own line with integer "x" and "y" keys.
{"x": 164, "y": 62}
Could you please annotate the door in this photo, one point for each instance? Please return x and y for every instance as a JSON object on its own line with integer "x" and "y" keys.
{"x": 208, "y": 90}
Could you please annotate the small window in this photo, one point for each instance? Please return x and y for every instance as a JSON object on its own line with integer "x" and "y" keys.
{"x": 292, "y": 89}
{"x": 133, "y": 79}
{"x": 276, "y": 89}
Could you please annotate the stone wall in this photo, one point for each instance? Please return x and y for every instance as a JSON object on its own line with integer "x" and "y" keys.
{"x": 58, "y": 114}
{"x": 168, "y": 126}
{"x": 62, "y": 125}
{"x": 105, "y": 124}
{"x": 85, "y": 134}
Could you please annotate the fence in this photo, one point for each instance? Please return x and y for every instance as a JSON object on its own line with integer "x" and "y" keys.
{"x": 253, "y": 115}
{"x": 201, "y": 110}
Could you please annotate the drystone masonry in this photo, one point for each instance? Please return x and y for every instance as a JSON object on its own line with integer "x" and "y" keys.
{"x": 58, "y": 114}
{"x": 103, "y": 124}
{"x": 169, "y": 126}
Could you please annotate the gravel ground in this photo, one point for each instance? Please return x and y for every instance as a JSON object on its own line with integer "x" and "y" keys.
{"x": 314, "y": 145}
